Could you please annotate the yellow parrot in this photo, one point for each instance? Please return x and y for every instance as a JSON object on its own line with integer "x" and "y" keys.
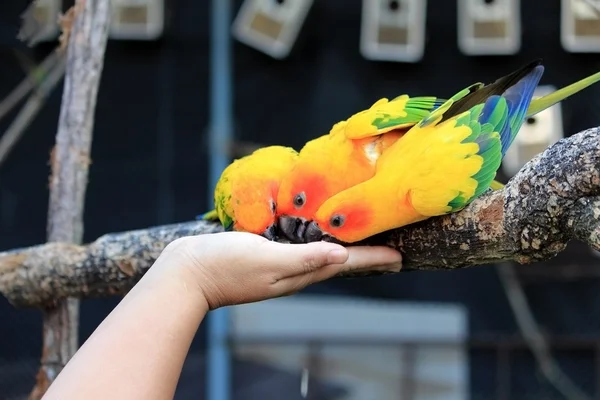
{"x": 349, "y": 154}
{"x": 246, "y": 192}
{"x": 440, "y": 165}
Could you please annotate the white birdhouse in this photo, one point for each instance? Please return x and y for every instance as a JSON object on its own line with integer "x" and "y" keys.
{"x": 489, "y": 27}
{"x": 271, "y": 26}
{"x": 580, "y": 26}
{"x": 137, "y": 19}
{"x": 393, "y": 30}
{"x": 45, "y": 19}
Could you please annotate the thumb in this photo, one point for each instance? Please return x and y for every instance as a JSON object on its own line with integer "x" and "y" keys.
{"x": 300, "y": 259}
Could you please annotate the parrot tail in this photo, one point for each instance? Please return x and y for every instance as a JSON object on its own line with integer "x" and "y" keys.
{"x": 541, "y": 103}
{"x": 208, "y": 216}
{"x": 518, "y": 96}
{"x": 495, "y": 185}
{"x": 514, "y": 86}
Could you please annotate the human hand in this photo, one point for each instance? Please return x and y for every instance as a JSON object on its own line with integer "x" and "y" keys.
{"x": 236, "y": 267}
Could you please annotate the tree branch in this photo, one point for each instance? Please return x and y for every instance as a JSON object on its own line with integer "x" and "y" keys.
{"x": 553, "y": 199}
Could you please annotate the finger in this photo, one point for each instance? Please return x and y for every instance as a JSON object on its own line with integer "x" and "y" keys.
{"x": 372, "y": 258}
{"x": 361, "y": 258}
{"x": 287, "y": 260}
{"x": 293, "y": 284}
{"x": 364, "y": 258}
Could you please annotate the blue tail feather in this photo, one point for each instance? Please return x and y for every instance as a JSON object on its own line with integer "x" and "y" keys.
{"x": 518, "y": 97}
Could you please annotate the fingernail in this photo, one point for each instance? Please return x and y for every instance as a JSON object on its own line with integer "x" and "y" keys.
{"x": 337, "y": 256}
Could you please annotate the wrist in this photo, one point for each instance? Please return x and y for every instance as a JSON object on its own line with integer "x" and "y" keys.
{"x": 177, "y": 271}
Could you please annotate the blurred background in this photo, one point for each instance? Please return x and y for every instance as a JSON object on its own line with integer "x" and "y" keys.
{"x": 283, "y": 73}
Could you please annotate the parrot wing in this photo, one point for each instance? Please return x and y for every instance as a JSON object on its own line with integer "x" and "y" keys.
{"x": 448, "y": 164}
{"x": 457, "y": 156}
{"x": 384, "y": 116}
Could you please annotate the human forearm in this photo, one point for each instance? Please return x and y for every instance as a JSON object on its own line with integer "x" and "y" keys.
{"x": 139, "y": 349}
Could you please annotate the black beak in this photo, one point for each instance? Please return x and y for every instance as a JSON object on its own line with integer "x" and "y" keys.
{"x": 271, "y": 232}
{"x": 293, "y": 228}
{"x": 313, "y": 233}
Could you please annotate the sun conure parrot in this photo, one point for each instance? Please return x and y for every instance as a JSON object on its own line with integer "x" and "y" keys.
{"x": 324, "y": 168}
{"x": 440, "y": 165}
{"x": 246, "y": 192}
{"x": 347, "y": 154}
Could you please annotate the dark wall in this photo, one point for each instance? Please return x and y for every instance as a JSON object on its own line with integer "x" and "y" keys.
{"x": 149, "y": 151}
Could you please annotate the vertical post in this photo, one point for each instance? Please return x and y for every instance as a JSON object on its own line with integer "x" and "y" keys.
{"x": 70, "y": 161}
{"x": 218, "y": 375}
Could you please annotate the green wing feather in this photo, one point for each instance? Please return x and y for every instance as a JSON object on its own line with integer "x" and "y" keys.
{"x": 486, "y": 133}
{"x": 415, "y": 110}
{"x": 494, "y": 113}
{"x": 384, "y": 116}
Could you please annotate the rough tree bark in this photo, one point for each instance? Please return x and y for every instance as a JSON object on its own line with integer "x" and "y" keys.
{"x": 70, "y": 161}
{"x": 553, "y": 199}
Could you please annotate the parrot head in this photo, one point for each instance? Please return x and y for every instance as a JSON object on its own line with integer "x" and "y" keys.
{"x": 254, "y": 208}
{"x": 341, "y": 221}
{"x": 303, "y": 190}
{"x": 321, "y": 171}
{"x": 246, "y": 194}
{"x": 335, "y": 221}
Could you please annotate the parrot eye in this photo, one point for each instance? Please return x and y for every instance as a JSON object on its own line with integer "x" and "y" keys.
{"x": 337, "y": 221}
{"x": 273, "y": 206}
{"x": 299, "y": 200}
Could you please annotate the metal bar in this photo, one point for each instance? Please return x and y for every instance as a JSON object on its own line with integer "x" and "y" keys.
{"x": 220, "y": 133}
{"x": 565, "y": 342}
{"x": 314, "y": 364}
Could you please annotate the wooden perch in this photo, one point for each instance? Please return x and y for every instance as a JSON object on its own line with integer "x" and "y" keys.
{"x": 553, "y": 199}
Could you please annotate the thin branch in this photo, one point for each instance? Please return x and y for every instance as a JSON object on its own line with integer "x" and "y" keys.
{"x": 30, "y": 110}
{"x": 536, "y": 342}
{"x": 555, "y": 198}
{"x": 33, "y": 79}
{"x": 43, "y": 78}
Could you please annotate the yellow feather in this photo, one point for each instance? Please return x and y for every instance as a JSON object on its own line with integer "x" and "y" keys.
{"x": 243, "y": 193}
{"x": 415, "y": 179}
{"x": 360, "y": 125}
